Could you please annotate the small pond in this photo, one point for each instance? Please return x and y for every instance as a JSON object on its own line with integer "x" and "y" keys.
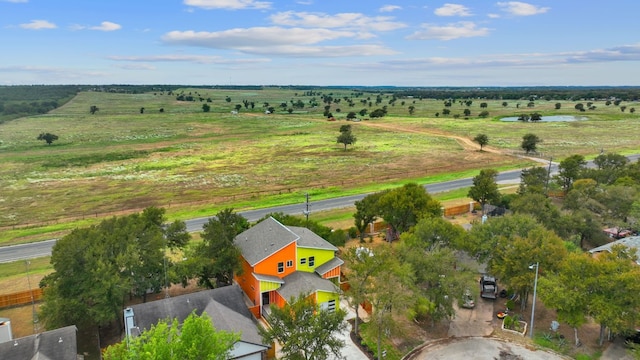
{"x": 552, "y": 118}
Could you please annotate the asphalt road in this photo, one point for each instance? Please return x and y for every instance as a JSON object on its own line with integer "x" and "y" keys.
{"x": 43, "y": 248}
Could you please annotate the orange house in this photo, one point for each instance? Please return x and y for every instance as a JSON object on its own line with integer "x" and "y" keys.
{"x": 281, "y": 262}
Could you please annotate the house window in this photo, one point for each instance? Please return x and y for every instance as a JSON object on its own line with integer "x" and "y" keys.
{"x": 303, "y": 261}
{"x": 280, "y": 267}
{"x": 289, "y": 263}
{"x": 329, "y": 306}
{"x": 312, "y": 261}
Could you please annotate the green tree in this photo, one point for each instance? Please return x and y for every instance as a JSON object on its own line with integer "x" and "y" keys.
{"x": 609, "y": 167}
{"x": 483, "y": 238}
{"x": 412, "y": 109}
{"x": 351, "y": 115}
{"x": 482, "y": 140}
{"x": 206, "y": 107}
{"x": 512, "y": 257}
{"x": 346, "y": 138}
{"x": 402, "y": 207}
{"x": 485, "y": 188}
{"x": 568, "y": 290}
{"x": 366, "y": 213}
{"x": 360, "y": 267}
{"x": 614, "y": 302}
{"x": 93, "y": 109}
{"x": 305, "y": 331}
{"x": 378, "y": 113}
{"x": 217, "y": 255}
{"x": 432, "y": 233}
{"x": 95, "y": 267}
{"x": 569, "y": 170}
{"x": 195, "y": 339}
{"x": 427, "y": 248}
{"x": 533, "y": 180}
{"x": 48, "y": 137}
{"x": 530, "y": 143}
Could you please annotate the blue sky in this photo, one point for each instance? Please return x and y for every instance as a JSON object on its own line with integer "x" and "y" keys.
{"x": 320, "y": 42}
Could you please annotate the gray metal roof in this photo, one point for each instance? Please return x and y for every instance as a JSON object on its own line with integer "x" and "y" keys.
{"x": 304, "y": 283}
{"x": 329, "y": 265}
{"x": 630, "y": 242}
{"x": 263, "y": 240}
{"x": 58, "y": 344}
{"x": 225, "y": 306}
{"x": 309, "y": 239}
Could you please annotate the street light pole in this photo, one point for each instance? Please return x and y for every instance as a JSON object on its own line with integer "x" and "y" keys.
{"x": 533, "y": 306}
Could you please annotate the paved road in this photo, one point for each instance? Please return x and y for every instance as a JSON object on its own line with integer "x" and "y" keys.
{"x": 43, "y": 248}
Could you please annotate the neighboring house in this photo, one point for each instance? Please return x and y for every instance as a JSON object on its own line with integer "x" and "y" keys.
{"x": 58, "y": 344}
{"x": 225, "y": 306}
{"x": 632, "y": 242}
{"x": 280, "y": 262}
{"x": 617, "y": 233}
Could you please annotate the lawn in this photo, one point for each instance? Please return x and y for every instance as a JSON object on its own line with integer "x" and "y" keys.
{"x": 195, "y": 163}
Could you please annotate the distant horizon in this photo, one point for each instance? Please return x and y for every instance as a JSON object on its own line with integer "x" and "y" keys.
{"x": 400, "y": 43}
{"x": 337, "y": 86}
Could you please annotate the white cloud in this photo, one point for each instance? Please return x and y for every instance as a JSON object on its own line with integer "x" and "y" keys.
{"x": 106, "y": 26}
{"x": 276, "y": 41}
{"x": 517, "y": 8}
{"x": 390, "y": 8}
{"x": 38, "y": 25}
{"x": 341, "y": 20}
{"x": 15, "y": 1}
{"x": 453, "y": 10}
{"x": 462, "y": 29}
{"x": 228, "y": 4}
{"x": 200, "y": 59}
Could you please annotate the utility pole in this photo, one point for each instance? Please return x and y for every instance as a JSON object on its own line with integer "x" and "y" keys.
{"x": 33, "y": 302}
{"x": 546, "y": 185}
{"x": 306, "y": 211}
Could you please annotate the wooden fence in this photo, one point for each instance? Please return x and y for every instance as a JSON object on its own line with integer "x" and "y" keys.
{"x": 457, "y": 210}
{"x": 20, "y": 298}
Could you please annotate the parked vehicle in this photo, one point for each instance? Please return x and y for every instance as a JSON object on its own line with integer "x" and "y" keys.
{"x": 488, "y": 287}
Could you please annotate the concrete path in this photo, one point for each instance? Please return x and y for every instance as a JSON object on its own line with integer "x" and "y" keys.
{"x": 473, "y": 322}
{"x": 616, "y": 351}
{"x": 482, "y": 349}
{"x": 350, "y": 350}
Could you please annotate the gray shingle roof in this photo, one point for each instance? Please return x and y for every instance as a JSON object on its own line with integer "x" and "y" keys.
{"x": 271, "y": 278}
{"x": 58, "y": 344}
{"x": 301, "y": 282}
{"x": 309, "y": 239}
{"x": 225, "y": 306}
{"x": 630, "y": 242}
{"x": 263, "y": 240}
{"x": 328, "y": 266}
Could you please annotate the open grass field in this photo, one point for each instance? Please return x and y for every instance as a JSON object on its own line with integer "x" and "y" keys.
{"x": 194, "y": 163}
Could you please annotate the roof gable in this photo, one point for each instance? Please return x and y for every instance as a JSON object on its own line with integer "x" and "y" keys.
{"x": 309, "y": 239}
{"x": 225, "y": 306}
{"x": 632, "y": 242}
{"x": 304, "y": 283}
{"x": 54, "y": 344}
{"x": 263, "y": 240}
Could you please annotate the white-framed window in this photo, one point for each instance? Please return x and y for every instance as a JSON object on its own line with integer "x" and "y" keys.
{"x": 280, "y": 267}
{"x": 289, "y": 263}
{"x": 312, "y": 261}
{"x": 329, "y": 305}
{"x": 303, "y": 261}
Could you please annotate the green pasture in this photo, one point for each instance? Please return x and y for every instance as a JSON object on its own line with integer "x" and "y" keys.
{"x": 195, "y": 163}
